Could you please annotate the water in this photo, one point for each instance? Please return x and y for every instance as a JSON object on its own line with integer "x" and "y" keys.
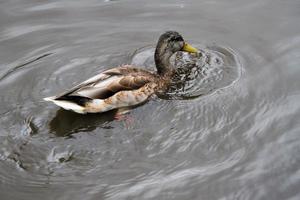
{"x": 231, "y": 132}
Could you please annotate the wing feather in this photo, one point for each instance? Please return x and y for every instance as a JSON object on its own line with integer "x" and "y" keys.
{"x": 108, "y": 83}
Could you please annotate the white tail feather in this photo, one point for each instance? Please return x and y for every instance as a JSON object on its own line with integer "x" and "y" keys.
{"x": 67, "y": 105}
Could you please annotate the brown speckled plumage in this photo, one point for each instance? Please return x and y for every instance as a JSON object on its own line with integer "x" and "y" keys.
{"x": 122, "y": 86}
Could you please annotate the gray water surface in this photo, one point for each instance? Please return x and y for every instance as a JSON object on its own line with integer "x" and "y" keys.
{"x": 231, "y": 132}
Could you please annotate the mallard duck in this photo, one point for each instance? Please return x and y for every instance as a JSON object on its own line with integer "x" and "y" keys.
{"x": 124, "y": 86}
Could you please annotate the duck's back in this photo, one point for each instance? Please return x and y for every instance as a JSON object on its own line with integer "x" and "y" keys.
{"x": 111, "y": 89}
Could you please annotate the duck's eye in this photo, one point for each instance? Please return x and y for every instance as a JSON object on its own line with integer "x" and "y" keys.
{"x": 177, "y": 39}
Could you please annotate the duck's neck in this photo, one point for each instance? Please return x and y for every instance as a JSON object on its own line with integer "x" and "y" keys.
{"x": 162, "y": 61}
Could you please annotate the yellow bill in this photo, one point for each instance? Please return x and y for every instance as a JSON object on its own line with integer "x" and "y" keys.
{"x": 189, "y": 48}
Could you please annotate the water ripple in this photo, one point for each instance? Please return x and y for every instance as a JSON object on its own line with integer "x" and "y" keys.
{"x": 218, "y": 67}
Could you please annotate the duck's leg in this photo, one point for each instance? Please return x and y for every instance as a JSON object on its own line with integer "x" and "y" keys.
{"x": 122, "y": 114}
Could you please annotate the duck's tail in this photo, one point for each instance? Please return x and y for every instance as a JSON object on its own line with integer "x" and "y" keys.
{"x": 68, "y": 105}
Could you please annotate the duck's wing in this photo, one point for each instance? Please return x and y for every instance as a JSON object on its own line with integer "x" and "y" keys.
{"x": 104, "y": 86}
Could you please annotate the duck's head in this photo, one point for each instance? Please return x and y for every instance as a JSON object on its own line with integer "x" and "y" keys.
{"x": 169, "y": 43}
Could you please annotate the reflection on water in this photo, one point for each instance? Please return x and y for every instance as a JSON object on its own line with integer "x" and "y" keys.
{"x": 227, "y": 129}
{"x": 65, "y": 122}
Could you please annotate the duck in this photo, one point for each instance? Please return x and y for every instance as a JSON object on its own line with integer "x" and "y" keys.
{"x": 127, "y": 85}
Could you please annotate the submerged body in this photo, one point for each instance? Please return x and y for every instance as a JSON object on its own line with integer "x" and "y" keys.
{"x": 124, "y": 86}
